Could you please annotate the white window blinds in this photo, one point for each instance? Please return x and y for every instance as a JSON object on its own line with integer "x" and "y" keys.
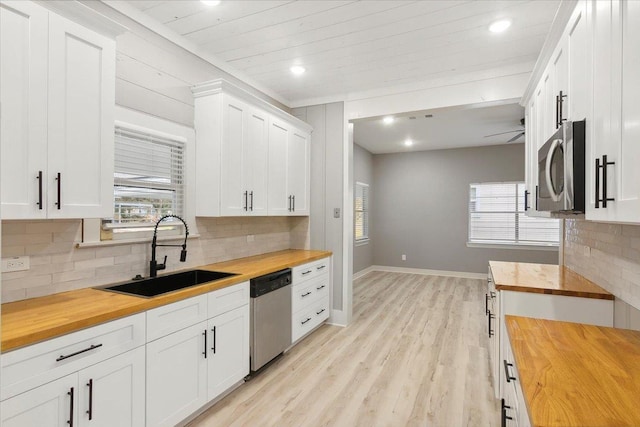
{"x": 148, "y": 177}
{"x": 361, "y": 205}
{"x": 496, "y": 215}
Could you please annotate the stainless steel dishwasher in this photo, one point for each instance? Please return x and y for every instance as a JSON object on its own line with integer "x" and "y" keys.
{"x": 270, "y": 317}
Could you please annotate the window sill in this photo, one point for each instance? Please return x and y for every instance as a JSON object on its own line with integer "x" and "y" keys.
{"x": 132, "y": 241}
{"x": 362, "y": 242}
{"x": 512, "y": 246}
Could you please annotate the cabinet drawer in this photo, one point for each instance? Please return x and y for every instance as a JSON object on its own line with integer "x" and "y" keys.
{"x": 310, "y": 270}
{"x": 227, "y": 299}
{"x": 309, "y": 292}
{"x": 29, "y": 367}
{"x": 308, "y": 318}
{"x": 170, "y": 318}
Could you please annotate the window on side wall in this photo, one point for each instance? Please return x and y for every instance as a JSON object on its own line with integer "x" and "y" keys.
{"x": 497, "y": 217}
{"x": 361, "y": 205}
{"x": 148, "y": 183}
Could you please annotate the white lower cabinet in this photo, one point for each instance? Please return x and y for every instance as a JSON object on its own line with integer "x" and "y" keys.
{"x": 109, "y": 393}
{"x": 190, "y": 367}
{"x": 310, "y": 297}
{"x": 228, "y": 360}
{"x": 50, "y": 405}
{"x": 176, "y": 375}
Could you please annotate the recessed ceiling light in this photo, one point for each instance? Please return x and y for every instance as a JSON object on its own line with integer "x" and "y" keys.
{"x": 408, "y": 143}
{"x": 388, "y": 120}
{"x": 500, "y": 26}
{"x": 211, "y": 2}
{"x": 298, "y": 70}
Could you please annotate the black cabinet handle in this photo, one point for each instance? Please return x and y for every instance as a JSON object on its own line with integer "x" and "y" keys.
{"x": 505, "y": 417}
{"x": 305, "y": 321}
{"x": 561, "y": 98}
{"x": 304, "y": 273}
{"x": 246, "y": 203}
{"x": 39, "y": 178}
{"x": 59, "y": 179}
{"x": 491, "y": 316}
{"x": 526, "y": 200}
{"x": 306, "y": 295}
{"x": 320, "y": 312}
{"x": 90, "y": 411}
{"x": 320, "y": 288}
{"x": 605, "y": 163}
{"x": 321, "y": 267}
{"x": 294, "y": 202}
{"x": 537, "y": 191}
{"x": 251, "y": 196}
{"x": 506, "y": 371}
{"x": 214, "y": 340}
{"x": 204, "y": 353}
{"x": 93, "y": 347}
{"x": 70, "y": 394}
{"x": 486, "y": 304}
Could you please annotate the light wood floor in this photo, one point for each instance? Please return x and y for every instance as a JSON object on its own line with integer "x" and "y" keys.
{"x": 416, "y": 354}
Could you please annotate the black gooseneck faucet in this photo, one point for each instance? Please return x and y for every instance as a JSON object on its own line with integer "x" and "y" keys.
{"x": 153, "y": 264}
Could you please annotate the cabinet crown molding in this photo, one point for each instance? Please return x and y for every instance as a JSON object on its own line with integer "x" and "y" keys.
{"x": 85, "y": 16}
{"x": 222, "y": 86}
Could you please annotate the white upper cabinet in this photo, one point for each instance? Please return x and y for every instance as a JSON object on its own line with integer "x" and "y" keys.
{"x": 613, "y": 149}
{"x": 247, "y": 163}
{"x": 23, "y": 97}
{"x": 58, "y": 98}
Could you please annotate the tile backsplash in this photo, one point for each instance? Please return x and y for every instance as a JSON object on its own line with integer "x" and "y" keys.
{"x": 57, "y": 265}
{"x": 607, "y": 254}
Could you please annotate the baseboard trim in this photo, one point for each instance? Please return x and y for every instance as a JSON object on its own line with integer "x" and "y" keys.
{"x": 426, "y": 272}
{"x": 363, "y": 272}
{"x": 337, "y": 318}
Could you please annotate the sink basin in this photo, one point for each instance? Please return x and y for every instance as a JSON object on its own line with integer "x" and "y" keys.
{"x": 154, "y": 286}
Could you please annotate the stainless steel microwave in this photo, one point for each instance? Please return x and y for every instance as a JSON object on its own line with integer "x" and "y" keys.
{"x": 561, "y": 165}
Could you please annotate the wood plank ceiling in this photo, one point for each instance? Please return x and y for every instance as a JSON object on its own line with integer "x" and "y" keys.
{"x": 354, "y": 46}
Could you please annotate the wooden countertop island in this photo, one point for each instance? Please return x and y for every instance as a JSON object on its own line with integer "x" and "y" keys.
{"x": 577, "y": 375}
{"x": 544, "y": 279}
{"x": 29, "y": 321}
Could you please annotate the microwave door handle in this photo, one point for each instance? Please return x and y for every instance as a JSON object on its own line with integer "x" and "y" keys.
{"x": 547, "y": 170}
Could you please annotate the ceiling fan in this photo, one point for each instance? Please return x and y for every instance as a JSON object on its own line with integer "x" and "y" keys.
{"x": 520, "y": 133}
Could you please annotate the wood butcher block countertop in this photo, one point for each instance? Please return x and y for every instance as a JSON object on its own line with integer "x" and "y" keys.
{"x": 577, "y": 375}
{"x": 544, "y": 279}
{"x": 29, "y": 321}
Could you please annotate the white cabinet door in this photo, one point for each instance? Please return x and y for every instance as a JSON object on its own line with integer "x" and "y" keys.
{"x": 256, "y": 161}
{"x": 233, "y": 191}
{"x": 614, "y": 131}
{"x": 228, "y": 350}
{"x": 113, "y": 391}
{"x": 531, "y": 157}
{"x": 23, "y": 96}
{"x": 298, "y": 171}
{"x": 54, "y": 404}
{"x": 81, "y": 102}
{"x": 176, "y": 375}
{"x": 559, "y": 72}
{"x": 577, "y": 106}
{"x": 279, "y": 197}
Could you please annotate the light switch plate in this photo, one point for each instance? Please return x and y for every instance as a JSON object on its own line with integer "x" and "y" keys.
{"x": 336, "y": 212}
{"x": 17, "y": 263}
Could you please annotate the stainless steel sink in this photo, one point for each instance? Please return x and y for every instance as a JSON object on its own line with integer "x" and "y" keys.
{"x": 154, "y": 286}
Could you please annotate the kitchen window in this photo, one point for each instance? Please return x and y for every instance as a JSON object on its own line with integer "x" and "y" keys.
{"x": 497, "y": 216}
{"x": 148, "y": 180}
{"x": 361, "y": 205}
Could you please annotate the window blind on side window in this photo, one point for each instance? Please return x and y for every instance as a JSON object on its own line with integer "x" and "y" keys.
{"x": 148, "y": 177}
{"x": 361, "y": 205}
{"x": 496, "y": 215}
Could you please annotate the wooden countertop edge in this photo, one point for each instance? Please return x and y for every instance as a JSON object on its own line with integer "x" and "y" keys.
{"x": 510, "y": 323}
{"x": 142, "y": 304}
{"x": 564, "y": 292}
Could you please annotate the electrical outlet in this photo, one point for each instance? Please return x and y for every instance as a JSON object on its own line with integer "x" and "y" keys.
{"x": 336, "y": 212}
{"x": 586, "y": 251}
{"x": 18, "y": 263}
{"x": 404, "y": 257}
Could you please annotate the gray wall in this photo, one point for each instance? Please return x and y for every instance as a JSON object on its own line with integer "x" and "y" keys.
{"x": 363, "y": 172}
{"x": 421, "y": 207}
{"x": 327, "y": 184}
